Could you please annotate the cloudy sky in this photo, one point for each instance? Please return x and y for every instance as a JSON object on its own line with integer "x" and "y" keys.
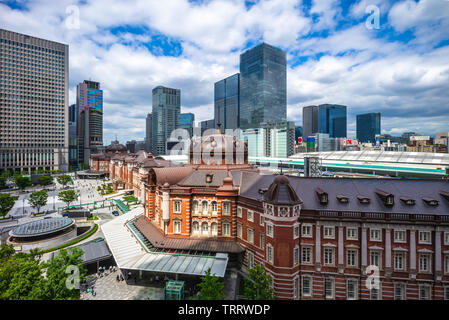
{"x": 342, "y": 52}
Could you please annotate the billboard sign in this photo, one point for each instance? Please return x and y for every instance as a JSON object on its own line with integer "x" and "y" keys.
{"x": 351, "y": 142}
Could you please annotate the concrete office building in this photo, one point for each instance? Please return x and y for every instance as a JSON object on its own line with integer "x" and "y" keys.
{"x": 207, "y": 124}
{"x": 89, "y": 103}
{"x": 165, "y": 117}
{"x": 263, "y": 86}
{"x": 227, "y": 102}
{"x": 34, "y": 132}
{"x": 325, "y": 118}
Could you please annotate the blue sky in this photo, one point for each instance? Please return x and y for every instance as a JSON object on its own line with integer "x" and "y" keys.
{"x": 400, "y": 69}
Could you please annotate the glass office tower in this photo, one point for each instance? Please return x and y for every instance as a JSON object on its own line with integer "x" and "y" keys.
{"x": 325, "y": 118}
{"x": 226, "y": 102}
{"x": 368, "y": 125}
{"x": 165, "y": 117}
{"x": 263, "y": 86}
{"x": 186, "y": 121}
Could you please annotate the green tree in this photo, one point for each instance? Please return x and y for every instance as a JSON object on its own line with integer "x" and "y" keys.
{"x": 68, "y": 196}
{"x": 22, "y": 182}
{"x": 6, "y": 251}
{"x": 211, "y": 288}
{"x": 258, "y": 286}
{"x": 64, "y": 179}
{"x": 57, "y": 275}
{"x": 6, "y": 203}
{"x": 38, "y": 199}
{"x": 45, "y": 180}
{"x": 2, "y": 182}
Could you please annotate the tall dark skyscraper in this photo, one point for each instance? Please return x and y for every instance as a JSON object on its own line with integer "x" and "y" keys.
{"x": 226, "y": 102}
{"x": 73, "y": 137}
{"x": 148, "y": 133}
{"x": 187, "y": 122}
{"x": 165, "y": 117}
{"x": 368, "y": 125}
{"x": 263, "y": 86}
{"x": 325, "y": 118}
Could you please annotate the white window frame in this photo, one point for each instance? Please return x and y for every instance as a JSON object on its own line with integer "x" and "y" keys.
{"x": 326, "y": 234}
{"x": 270, "y": 253}
{"x": 424, "y": 241}
{"x": 309, "y": 279}
{"x": 355, "y": 295}
{"x": 372, "y": 231}
{"x": 329, "y": 254}
{"x": 177, "y": 203}
{"x": 250, "y": 216}
{"x": 204, "y": 209}
{"x": 199, "y": 227}
{"x": 306, "y": 227}
{"x": 296, "y": 286}
{"x": 262, "y": 240}
{"x": 446, "y": 292}
{"x": 428, "y": 264}
{"x": 250, "y": 231}
{"x": 427, "y": 288}
{"x": 403, "y": 291}
{"x": 379, "y": 254}
{"x": 212, "y": 229}
{"x": 177, "y": 223}
{"x": 195, "y": 206}
{"x": 446, "y": 264}
{"x": 446, "y": 238}
{"x": 349, "y": 236}
{"x": 403, "y": 232}
{"x": 296, "y": 256}
{"x": 404, "y": 261}
{"x": 355, "y": 251}
{"x": 214, "y": 204}
{"x": 250, "y": 260}
{"x": 204, "y": 223}
{"x": 309, "y": 251}
{"x": 239, "y": 230}
{"x": 239, "y": 212}
{"x": 223, "y": 229}
{"x": 269, "y": 226}
{"x": 296, "y": 231}
{"x": 378, "y": 291}
{"x": 226, "y": 204}
{"x": 261, "y": 219}
{"x": 329, "y": 292}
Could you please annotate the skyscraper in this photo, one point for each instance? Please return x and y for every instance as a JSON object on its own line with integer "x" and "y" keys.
{"x": 33, "y": 103}
{"x": 73, "y": 138}
{"x": 226, "y": 102}
{"x": 89, "y": 105}
{"x": 165, "y": 117}
{"x": 325, "y": 118}
{"x": 263, "y": 86}
{"x": 187, "y": 121}
{"x": 368, "y": 125}
{"x": 148, "y": 133}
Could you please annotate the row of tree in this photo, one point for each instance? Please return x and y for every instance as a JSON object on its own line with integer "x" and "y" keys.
{"x": 23, "y": 182}
{"x": 23, "y": 276}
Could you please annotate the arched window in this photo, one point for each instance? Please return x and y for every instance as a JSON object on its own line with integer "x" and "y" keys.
{"x": 214, "y": 207}
{"x": 214, "y": 228}
{"x": 204, "y": 207}
{"x": 204, "y": 229}
{"x": 195, "y": 227}
{"x": 195, "y": 206}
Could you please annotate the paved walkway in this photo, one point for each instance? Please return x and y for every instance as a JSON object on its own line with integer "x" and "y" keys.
{"x": 107, "y": 288}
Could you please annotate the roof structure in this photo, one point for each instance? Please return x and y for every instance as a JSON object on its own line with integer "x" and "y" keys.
{"x": 42, "y": 227}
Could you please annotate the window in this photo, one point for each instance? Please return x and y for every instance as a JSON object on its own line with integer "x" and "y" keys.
{"x": 399, "y": 291}
{"x": 177, "y": 226}
{"x": 250, "y": 260}
{"x": 375, "y": 293}
{"x": 446, "y": 264}
{"x": 351, "y": 289}
{"x": 399, "y": 236}
{"x": 296, "y": 287}
{"x": 250, "y": 216}
{"x": 226, "y": 208}
{"x": 250, "y": 235}
{"x": 195, "y": 206}
{"x": 239, "y": 212}
{"x": 204, "y": 207}
{"x": 329, "y": 232}
{"x": 261, "y": 219}
{"x": 306, "y": 230}
{"x": 351, "y": 256}
{"x": 195, "y": 227}
{"x": 375, "y": 258}
{"x": 424, "y": 292}
{"x": 306, "y": 255}
{"x": 177, "y": 206}
{"x": 214, "y": 228}
{"x": 446, "y": 293}
{"x": 329, "y": 256}
{"x": 296, "y": 256}
{"x": 204, "y": 229}
{"x": 239, "y": 230}
{"x": 295, "y": 232}
{"x": 375, "y": 235}
{"x": 424, "y": 237}
{"x": 424, "y": 262}
{"x": 262, "y": 240}
{"x": 269, "y": 253}
{"x": 399, "y": 261}
{"x": 351, "y": 234}
{"x": 306, "y": 286}
{"x": 214, "y": 207}
{"x": 328, "y": 288}
{"x": 226, "y": 229}
{"x": 446, "y": 238}
{"x": 270, "y": 230}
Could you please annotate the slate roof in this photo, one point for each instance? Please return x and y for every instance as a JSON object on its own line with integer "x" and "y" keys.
{"x": 305, "y": 188}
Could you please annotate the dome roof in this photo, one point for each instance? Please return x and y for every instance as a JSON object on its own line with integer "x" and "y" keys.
{"x": 116, "y": 146}
{"x": 281, "y": 192}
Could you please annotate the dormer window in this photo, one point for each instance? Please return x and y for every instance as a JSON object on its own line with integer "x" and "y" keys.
{"x": 363, "y": 200}
{"x": 209, "y": 177}
{"x": 445, "y": 195}
{"x": 386, "y": 197}
{"x": 342, "y": 199}
{"x": 262, "y": 190}
{"x": 408, "y": 201}
{"x": 430, "y": 202}
{"x": 322, "y": 196}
